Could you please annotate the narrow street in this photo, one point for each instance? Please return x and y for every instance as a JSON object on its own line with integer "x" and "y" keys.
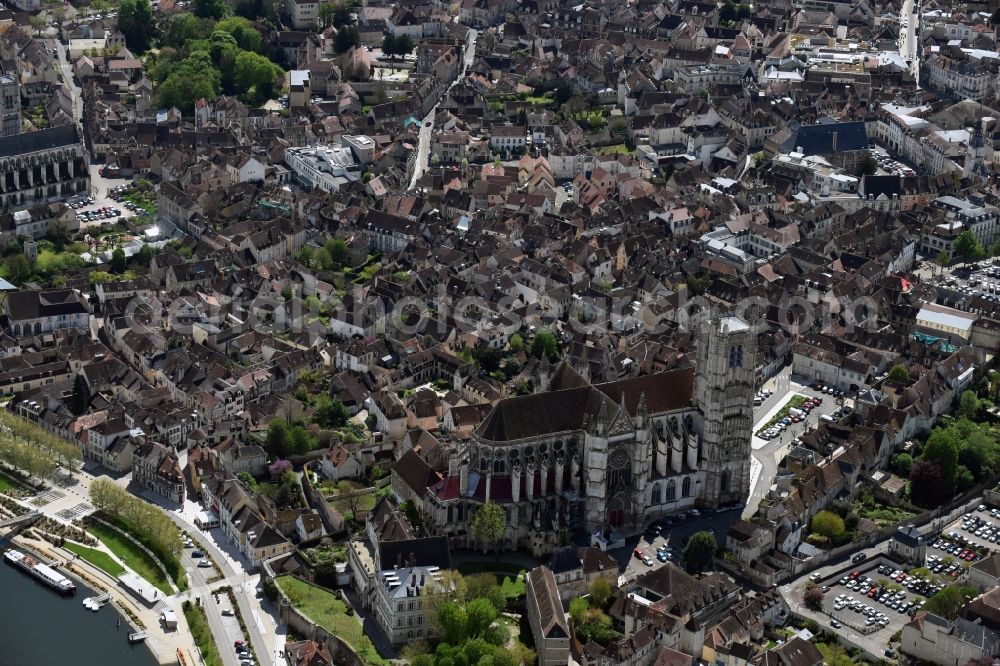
{"x": 908, "y": 38}
{"x": 427, "y": 124}
{"x": 67, "y": 73}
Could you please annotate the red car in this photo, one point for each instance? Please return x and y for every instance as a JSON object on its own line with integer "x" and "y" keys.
{"x": 638, "y": 553}
{"x": 855, "y": 574}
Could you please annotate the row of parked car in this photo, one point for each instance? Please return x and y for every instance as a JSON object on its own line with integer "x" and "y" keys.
{"x": 83, "y": 202}
{"x": 829, "y": 390}
{"x": 795, "y": 415}
{"x": 103, "y": 213}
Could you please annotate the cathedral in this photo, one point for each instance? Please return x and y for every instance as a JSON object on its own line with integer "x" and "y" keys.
{"x": 580, "y": 456}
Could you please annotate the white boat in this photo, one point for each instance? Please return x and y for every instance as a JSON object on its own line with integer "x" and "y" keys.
{"x": 41, "y": 571}
{"x": 138, "y": 636}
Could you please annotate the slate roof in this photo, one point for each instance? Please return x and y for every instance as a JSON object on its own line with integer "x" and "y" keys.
{"x": 33, "y": 142}
{"x": 819, "y": 139}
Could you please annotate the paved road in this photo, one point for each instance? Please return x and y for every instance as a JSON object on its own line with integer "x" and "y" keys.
{"x": 67, "y": 72}
{"x": 224, "y": 629}
{"x": 244, "y": 587}
{"x": 427, "y": 124}
{"x": 908, "y": 42}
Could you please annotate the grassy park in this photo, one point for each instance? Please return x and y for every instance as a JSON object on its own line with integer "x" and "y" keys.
{"x": 131, "y": 554}
{"x": 98, "y": 558}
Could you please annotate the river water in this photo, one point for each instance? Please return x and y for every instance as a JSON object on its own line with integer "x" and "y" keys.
{"x": 40, "y": 628}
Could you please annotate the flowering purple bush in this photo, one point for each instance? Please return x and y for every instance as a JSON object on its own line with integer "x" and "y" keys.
{"x": 278, "y": 467}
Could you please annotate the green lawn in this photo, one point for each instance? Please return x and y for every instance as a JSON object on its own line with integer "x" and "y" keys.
{"x": 328, "y": 611}
{"x": 98, "y": 558}
{"x": 132, "y": 555}
{"x": 618, "y": 149}
{"x": 202, "y": 634}
{"x": 7, "y": 483}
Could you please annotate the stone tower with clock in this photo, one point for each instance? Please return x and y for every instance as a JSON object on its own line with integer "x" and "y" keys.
{"x": 723, "y": 393}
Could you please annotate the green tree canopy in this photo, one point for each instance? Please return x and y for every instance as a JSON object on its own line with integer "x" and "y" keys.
{"x": 967, "y": 247}
{"x": 135, "y": 20}
{"x": 489, "y": 524}
{"x": 949, "y": 601}
{"x": 544, "y": 344}
{"x": 118, "y": 261}
{"x": 968, "y": 405}
{"x": 211, "y": 8}
{"x": 699, "y": 551}
{"x": 277, "y": 439}
{"x": 942, "y": 449}
{"x": 901, "y": 464}
{"x": 256, "y": 75}
{"x": 247, "y": 37}
{"x": 899, "y": 373}
{"x": 828, "y": 524}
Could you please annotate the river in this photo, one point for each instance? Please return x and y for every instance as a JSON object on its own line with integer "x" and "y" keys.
{"x": 40, "y": 628}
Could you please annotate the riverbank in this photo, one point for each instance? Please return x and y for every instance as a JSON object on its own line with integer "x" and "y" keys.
{"x": 162, "y": 646}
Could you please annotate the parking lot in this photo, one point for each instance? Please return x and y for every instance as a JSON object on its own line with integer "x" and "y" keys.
{"x": 982, "y": 281}
{"x": 969, "y": 539}
{"x": 875, "y": 599}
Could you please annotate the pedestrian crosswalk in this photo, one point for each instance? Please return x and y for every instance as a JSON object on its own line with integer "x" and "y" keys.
{"x": 78, "y": 510}
{"x": 48, "y": 496}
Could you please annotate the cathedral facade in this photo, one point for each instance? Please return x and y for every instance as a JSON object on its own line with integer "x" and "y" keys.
{"x": 617, "y": 455}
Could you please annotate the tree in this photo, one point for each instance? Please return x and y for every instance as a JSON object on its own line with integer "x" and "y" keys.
{"x": 489, "y": 524}
{"x": 326, "y": 14}
{"x": 403, "y": 45}
{"x": 18, "y": 267}
{"x": 337, "y": 250}
{"x": 942, "y": 449}
{"x": 246, "y": 36}
{"x": 347, "y": 38}
{"x": 968, "y": 247}
{"x": 828, "y": 524}
{"x": 248, "y": 480}
{"x": 299, "y": 440}
{"x": 118, "y": 261}
{"x": 699, "y": 551}
{"x": 516, "y": 343}
{"x": 80, "y": 400}
{"x": 480, "y": 614}
{"x": 211, "y": 8}
{"x": 564, "y": 92}
{"x": 968, "y": 405}
{"x": 899, "y": 373}
{"x": 277, "y": 439}
{"x": 135, "y": 20}
{"x": 600, "y": 592}
{"x": 813, "y": 598}
{"x": 868, "y": 166}
{"x": 948, "y": 602}
{"x": 330, "y": 413}
{"x": 37, "y": 22}
{"x": 144, "y": 256}
{"x": 941, "y": 260}
{"x": 927, "y": 488}
{"x": 454, "y": 622}
{"x": 256, "y": 75}
{"x": 544, "y": 344}
{"x": 901, "y": 464}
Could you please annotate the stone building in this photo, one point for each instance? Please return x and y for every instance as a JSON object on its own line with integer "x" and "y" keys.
{"x": 41, "y": 167}
{"x": 10, "y": 104}
{"x": 580, "y": 457}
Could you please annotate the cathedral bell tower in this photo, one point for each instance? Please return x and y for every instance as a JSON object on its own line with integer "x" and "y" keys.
{"x": 723, "y": 393}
